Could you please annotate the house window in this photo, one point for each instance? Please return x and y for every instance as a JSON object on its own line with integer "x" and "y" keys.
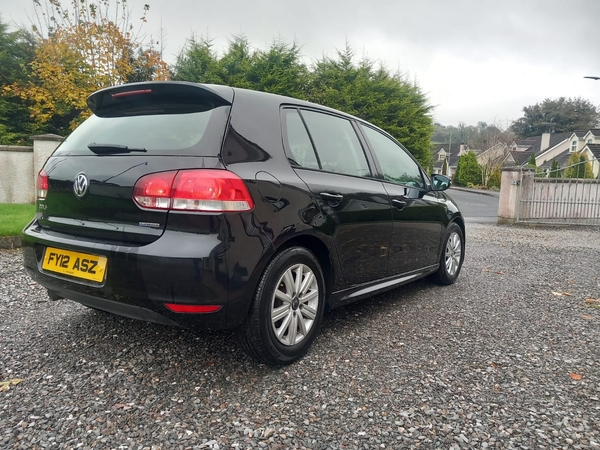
{"x": 574, "y": 146}
{"x": 590, "y": 141}
{"x": 442, "y": 157}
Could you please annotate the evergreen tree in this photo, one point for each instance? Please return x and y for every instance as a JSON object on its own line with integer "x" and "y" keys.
{"x": 236, "y": 65}
{"x": 578, "y": 166}
{"x": 17, "y": 51}
{"x": 378, "y": 96}
{"x": 533, "y": 165}
{"x": 470, "y": 170}
{"x": 555, "y": 171}
{"x": 445, "y": 167}
{"x": 279, "y": 70}
{"x": 374, "y": 94}
{"x": 586, "y": 170}
{"x": 495, "y": 178}
{"x": 198, "y": 63}
{"x": 456, "y": 175}
{"x": 556, "y": 116}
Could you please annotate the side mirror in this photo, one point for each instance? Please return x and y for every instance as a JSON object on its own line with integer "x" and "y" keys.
{"x": 440, "y": 182}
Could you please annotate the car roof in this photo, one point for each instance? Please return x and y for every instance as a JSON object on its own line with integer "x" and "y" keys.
{"x": 225, "y": 92}
{"x": 277, "y": 99}
{"x": 283, "y": 100}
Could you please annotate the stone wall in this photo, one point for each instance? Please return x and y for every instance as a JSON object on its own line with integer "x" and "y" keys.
{"x": 19, "y": 166}
{"x": 539, "y": 200}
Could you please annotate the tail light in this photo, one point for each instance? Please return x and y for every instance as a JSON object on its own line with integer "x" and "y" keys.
{"x": 41, "y": 185}
{"x": 193, "y": 190}
{"x": 129, "y": 93}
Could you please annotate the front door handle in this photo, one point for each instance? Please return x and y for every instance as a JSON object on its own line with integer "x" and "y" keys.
{"x": 331, "y": 198}
{"x": 399, "y": 204}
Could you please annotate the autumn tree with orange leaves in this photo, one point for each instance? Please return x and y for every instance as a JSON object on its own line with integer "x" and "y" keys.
{"x": 87, "y": 46}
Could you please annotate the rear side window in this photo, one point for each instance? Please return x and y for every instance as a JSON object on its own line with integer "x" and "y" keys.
{"x": 396, "y": 164}
{"x": 337, "y": 144}
{"x": 298, "y": 140}
{"x": 168, "y": 127}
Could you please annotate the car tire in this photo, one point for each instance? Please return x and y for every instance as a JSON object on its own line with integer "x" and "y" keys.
{"x": 453, "y": 254}
{"x": 287, "y": 309}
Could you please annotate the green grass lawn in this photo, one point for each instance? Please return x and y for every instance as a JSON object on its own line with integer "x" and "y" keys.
{"x": 13, "y": 217}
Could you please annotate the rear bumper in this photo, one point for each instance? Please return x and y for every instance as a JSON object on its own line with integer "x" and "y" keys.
{"x": 179, "y": 267}
{"x": 114, "y": 307}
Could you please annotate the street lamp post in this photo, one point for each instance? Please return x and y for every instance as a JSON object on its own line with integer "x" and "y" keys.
{"x": 593, "y": 78}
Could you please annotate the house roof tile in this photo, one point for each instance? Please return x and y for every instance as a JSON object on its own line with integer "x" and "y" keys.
{"x": 563, "y": 158}
{"x": 452, "y": 160}
{"x": 535, "y": 142}
{"x": 555, "y": 139}
{"x": 521, "y": 157}
{"x": 560, "y": 159}
{"x": 595, "y": 149}
{"x": 525, "y": 142}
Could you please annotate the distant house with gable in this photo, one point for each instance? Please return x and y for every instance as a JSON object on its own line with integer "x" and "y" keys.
{"x": 521, "y": 150}
{"x": 450, "y": 153}
{"x": 560, "y": 146}
{"x": 493, "y": 156}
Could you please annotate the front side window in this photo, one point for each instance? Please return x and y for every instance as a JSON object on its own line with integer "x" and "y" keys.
{"x": 396, "y": 164}
{"x": 337, "y": 144}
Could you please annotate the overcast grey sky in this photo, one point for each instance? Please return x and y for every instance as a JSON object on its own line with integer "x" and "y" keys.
{"x": 477, "y": 60}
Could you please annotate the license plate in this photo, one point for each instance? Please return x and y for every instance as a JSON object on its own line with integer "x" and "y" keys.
{"x": 75, "y": 264}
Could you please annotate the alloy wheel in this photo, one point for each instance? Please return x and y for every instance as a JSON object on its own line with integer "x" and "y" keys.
{"x": 294, "y": 304}
{"x": 453, "y": 254}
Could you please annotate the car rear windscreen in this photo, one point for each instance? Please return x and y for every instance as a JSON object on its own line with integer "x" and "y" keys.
{"x": 154, "y": 131}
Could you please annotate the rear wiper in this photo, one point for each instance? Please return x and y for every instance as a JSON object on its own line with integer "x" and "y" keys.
{"x": 113, "y": 148}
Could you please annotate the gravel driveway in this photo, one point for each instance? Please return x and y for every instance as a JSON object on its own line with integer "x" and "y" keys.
{"x": 498, "y": 360}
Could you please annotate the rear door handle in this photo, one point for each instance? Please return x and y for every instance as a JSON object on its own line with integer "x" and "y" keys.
{"x": 398, "y": 203}
{"x": 331, "y": 198}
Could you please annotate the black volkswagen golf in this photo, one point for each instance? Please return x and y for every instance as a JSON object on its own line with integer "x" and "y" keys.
{"x": 214, "y": 207}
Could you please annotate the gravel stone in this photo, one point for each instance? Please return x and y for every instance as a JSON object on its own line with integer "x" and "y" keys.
{"x": 492, "y": 361}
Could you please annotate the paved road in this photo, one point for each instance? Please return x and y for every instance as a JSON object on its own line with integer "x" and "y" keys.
{"x": 476, "y": 207}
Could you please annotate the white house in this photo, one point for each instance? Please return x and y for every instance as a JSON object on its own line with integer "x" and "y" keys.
{"x": 442, "y": 152}
{"x": 447, "y": 153}
{"x": 586, "y": 142}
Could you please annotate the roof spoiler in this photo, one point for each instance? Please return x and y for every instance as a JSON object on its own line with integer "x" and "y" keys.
{"x": 158, "y": 97}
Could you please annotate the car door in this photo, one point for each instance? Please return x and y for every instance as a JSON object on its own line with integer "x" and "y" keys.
{"x": 418, "y": 214}
{"x": 327, "y": 155}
